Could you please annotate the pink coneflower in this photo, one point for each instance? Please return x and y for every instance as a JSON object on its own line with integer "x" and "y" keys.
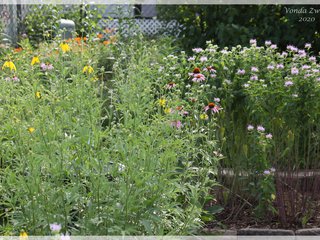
{"x": 170, "y": 85}
{"x": 210, "y": 69}
{"x": 196, "y": 70}
{"x": 198, "y": 77}
{"x": 250, "y": 127}
{"x": 254, "y": 69}
{"x": 213, "y": 107}
{"x": 288, "y": 83}
{"x": 260, "y": 128}
{"x": 241, "y": 72}
{"x": 177, "y": 124}
{"x": 294, "y": 71}
{"x": 269, "y": 136}
{"x": 15, "y": 79}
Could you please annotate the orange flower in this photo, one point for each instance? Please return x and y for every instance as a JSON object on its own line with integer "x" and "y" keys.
{"x": 106, "y": 42}
{"x": 100, "y": 35}
{"x": 18, "y": 49}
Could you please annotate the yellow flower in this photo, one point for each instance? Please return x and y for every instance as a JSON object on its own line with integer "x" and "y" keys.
{"x": 204, "y": 116}
{"x": 167, "y": 110}
{"x": 23, "y": 235}
{"x": 35, "y": 60}
{"x": 31, "y": 129}
{"x": 162, "y": 102}
{"x": 64, "y": 47}
{"x": 9, "y": 64}
{"x": 38, "y": 95}
{"x": 87, "y": 69}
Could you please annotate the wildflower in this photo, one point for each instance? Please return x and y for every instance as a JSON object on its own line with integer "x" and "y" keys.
{"x": 170, "y": 85}
{"x": 266, "y": 172}
{"x": 269, "y": 136}
{"x": 272, "y": 169}
{"x": 213, "y": 107}
{"x": 307, "y": 45}
{"x": 304, "y": 67}
{"x": 203, "y": 59}
{"x": 284, "y": 54}
{"x": 270, "y": 67}
{"x": 280, "y": 66}
{"x": 35, "y": 60}
{"x": 31, "y": 129}
{"x": 253, "y": 42}
{"x": 254, "y": 69}
{"x": 267, "y": 43}
{"x": 250, "y": 127}
{"x": 294, "y": 71}
{"x": 260, "y": 128}
{"x": 241, "y": 72}
{"x": 106, "y": 42}
{"x": 288, "y": 83}
{"x": 254, "y": 77}
{"x": 198, "y": 78}
{"x": 294, "y": 95}
{"x": 312, "y": 59}
{"x": 9, "y": 64}
{"x": 23, "y": 235}
{"x": 162, "y": 102}
{"x": 167, "y": 110}
{"x": 197, "y": 50}
{"x": 38, "y": 95}
{"x": 292, "y": 48}
{"x": 246, "y": 85}
{"x": 196, "y": 70}
{"x": 47, "y": 66}
{"x": 18, "y": 49}
{"x": 216, "y": 99}
{"x": 87, "y": 69}
{"x": 204, "y": 116}
{"x": 54, "y": 227}
{"x": 176, "y": 124}
{"x": 15, "y": 79}
{"x": 190, "y": 59}
{"x": 65, "y": 237}
{"x": 210, "y": 69}
{"x": 64, "y": 47}
{"x": 273, "y": 46}
{"x": 99, "y": 35}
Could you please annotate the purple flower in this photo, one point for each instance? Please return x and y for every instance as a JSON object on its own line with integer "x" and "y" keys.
{"x": 292, "y": 48}
{"x": 55, "y": 227}
{"x": 246, "y": 85}
{"x": 250, "y": 127}
{"x": 254, "y": 77}
{"x": 280, "y": 66}
{"x": 304, "y": 67}
{"x": 307, "y": 45}
{"x": 213, "y": 107}
{"x": 260, "y": 128}
{"x": 266, "y": 172}
{"x": 241, "y": 72}
{"x": 312, "y": 59}
{"x": 284, "y": 54}
{"x": 267, "y": 43}
{"x": 254, "y": 69}
{"x": 294, "y": 71}
{"x": 273, "y": 46}
{"x": 269, "y": 136}
{"x": 253, "y": 42}
{"x": 190, "y": 59}
{"x": 170, "y": 85}
{"x": 176, "y": 124}
{"x": 270, "y": 67}
{"x": 15, "y": 79}
{"x": 203, "y": 59}
{"x": 288, "y": 83}
{"x": 302, "y": 53}
{"x": 43, "y": 66}
{"x": 197, "y": 50}
{"x": 216, "y": 99}
{"x": 65, "y": 237}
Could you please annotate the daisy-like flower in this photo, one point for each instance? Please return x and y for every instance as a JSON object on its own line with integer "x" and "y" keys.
{"x": 55, "y": 227}
{"x": 294, "y": 71}
{"x": 198, "y": 77}
{"x": 212, "y": 107}
{"x": 37, "y": 95}
{"x": 269, "y": 136}
{"x": 162, "y": 102}
{"x": 196, "y": 70}
{"x": 64, "y": 47}
{"x": 87, "y": 69}
{"x": 250, "y": 127}
{"x": 254, "y": 78}
{"x": 23, "y": 235}
{"x": 260, "y": 128}
{"x": 35, "y": 60}
{"x": 31, "y": 129}
{"x": 10, "y": 65}
{"x": 288, "y": 83}
{"x": 170, "y": 85}
{"x": 241, "y": 72}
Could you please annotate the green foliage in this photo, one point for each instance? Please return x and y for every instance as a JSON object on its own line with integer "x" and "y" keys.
{"x": 229, "y": 25}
